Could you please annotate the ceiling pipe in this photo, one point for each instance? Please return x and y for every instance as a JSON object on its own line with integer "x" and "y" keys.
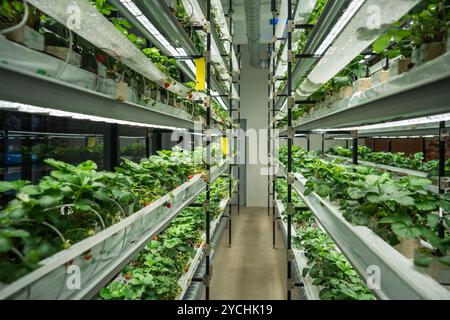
{"x": 253, "y": 17}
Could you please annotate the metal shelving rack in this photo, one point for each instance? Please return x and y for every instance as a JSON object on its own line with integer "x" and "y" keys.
{"x": 153, "y": 218}
{"x": 382, "y": 103}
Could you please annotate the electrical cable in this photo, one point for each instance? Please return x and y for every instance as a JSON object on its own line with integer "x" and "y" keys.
{"x": 69, "y": 55}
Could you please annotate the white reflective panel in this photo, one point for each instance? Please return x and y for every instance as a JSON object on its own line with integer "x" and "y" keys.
{"x": 112, "y": 41}
{"x": 8, "y": 106}
{"x": 359, "y": 33}
{"x": 394, "y": 124}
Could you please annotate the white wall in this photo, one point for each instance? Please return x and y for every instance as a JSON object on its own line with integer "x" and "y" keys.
{"x": 254, "y": 97}
{"x": 254, "y": 100}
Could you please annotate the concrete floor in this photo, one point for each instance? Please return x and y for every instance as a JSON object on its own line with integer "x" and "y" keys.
{"x": 251, "y": 268}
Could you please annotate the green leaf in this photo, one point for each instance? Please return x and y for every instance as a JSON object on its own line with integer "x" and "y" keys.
{"x": 360, "y": 220}
{"x": 326, "y": 294}
{"x": 87, "y": 166}
{"x": 305, "y": 272}
{"x": 432, "y": 220}
{"x": 381, "y": 43}
{"x": 5, "y": 244}
{"x": 12, "y": 185}
{"x": 356, "y": 193}
{"x": 406, "y": 232}
{"x": 423, "y": 260}
{"x": 85, "y": 205}
{"x": 426, "y": 205}
{"x": 48, "y": 201}
{"x": 31, "y": 190}
{"x": 14, "y": 233}
{"x": 396, "y": 219}
{"x": 322, "y": 190}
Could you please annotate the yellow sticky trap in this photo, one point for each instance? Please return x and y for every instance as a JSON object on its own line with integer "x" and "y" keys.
{"x": 91, "y": 142}
{"x": 200, "y": 64}
{"x": 225, "y": 146}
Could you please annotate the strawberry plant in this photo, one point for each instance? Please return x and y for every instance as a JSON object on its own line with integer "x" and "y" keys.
{"x": 154, "y": 274}
{"x": 328, "y": 267}
{"x": 396, "y": 209}
{"x": 60, "y": 210}
{"x": 75, "y": 202}
{"x": 400, "y": 160}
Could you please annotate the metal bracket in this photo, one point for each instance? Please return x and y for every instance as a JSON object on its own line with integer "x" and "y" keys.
{"x": 290, "y": 57}
{"x": 290, "y": 284}
{"x": 291, "y": 26}
{"x": 207, "y": 27}
{"x": 290, "y": 255}
{"x": 354, "y": 134}
{"x": 291, "y": 102}
{"x": 444, "y": 183}
{"x": 291, "y": 133}
{"x": 207, "y": 56}
{"x": 206, "y": 205}
{"x": 207, "y": 101}
{"x": 444, "y": 134}
{"x": 207, "y": 249}
{"x": 290, "y": 178}
{"x": 290, "y": 209}
{"x": 207, "y": 278}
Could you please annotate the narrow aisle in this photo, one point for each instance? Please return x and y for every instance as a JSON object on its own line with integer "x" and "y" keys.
{"x": 251, "y": 268}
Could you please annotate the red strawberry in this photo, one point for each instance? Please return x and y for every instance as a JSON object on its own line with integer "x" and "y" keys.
{"x": 198, "y": 244}
{"x": 88, "y": 257}
{"x": 190, "y": 177}
{"x": 166, "y": 85}
{"x": 69, "y": 263}
{"x": 168, "y": 205}
{"x": 155, "y": 238}
{"x": 100, "y": 58}
{"x": 147, "y": 204}
{"x": 127, "y": 276}
{"x": 190, "y": 95}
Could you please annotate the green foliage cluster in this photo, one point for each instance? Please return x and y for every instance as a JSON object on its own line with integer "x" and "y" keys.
{"x": 327, "y": 266}
{"x": 155, "y": 273}
{"x": 75, "y": 202}
{"x": 395, "y": 159}
{"x": 395, "y": 209}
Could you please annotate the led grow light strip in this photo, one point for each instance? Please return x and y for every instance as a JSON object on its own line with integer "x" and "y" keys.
{"x": 21, "y": 107}
{"x": 356, "y": 36}
{"x": 345, "y": 18}
{"x": 281, "y": 25}
{"x": 302, "y": 15}
{"x": 196, "y": 16}
{"x": 92, "y": 23}
{"x": 223, "y": 26}
{"x": 176, "y": 52}
{"x": 401, "y": 123}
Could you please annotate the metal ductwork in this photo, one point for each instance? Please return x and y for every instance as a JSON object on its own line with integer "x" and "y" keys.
{"x": 253, "y": 17}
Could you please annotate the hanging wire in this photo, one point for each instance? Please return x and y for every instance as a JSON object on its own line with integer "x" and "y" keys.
{"x": 69, "y": 55}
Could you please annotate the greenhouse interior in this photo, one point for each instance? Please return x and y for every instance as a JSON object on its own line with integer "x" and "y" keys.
{"x": 224, "y": 150}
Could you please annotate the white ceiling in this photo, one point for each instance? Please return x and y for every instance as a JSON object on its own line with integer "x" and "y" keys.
{"x": 240, "y": 23}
